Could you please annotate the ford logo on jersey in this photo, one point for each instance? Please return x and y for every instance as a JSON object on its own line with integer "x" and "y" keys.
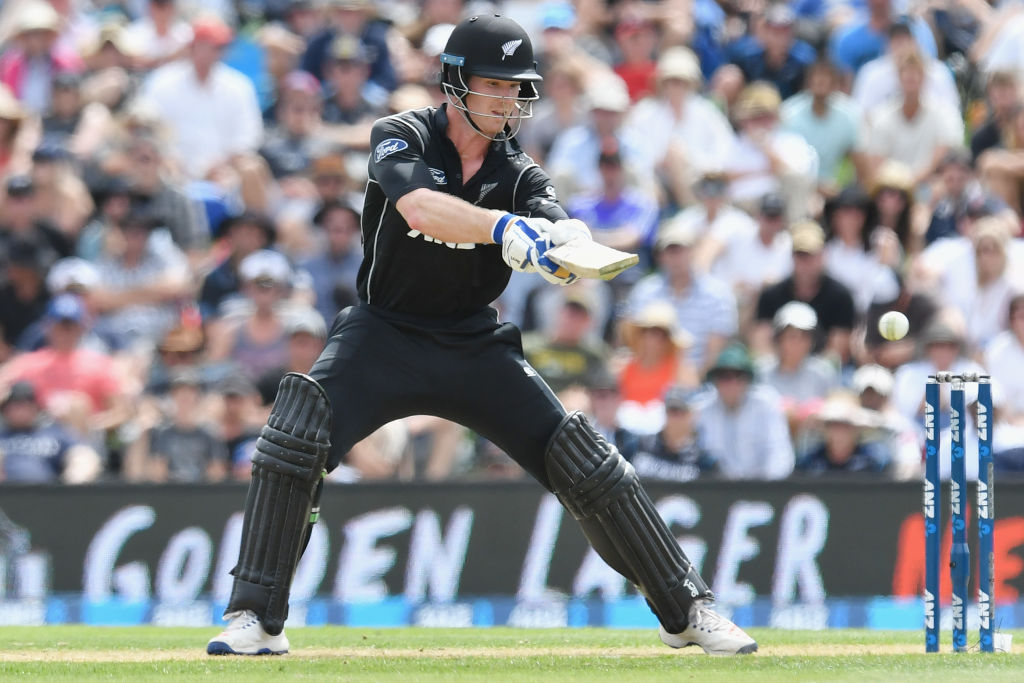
{"x": 439, "y": 176}
{"x": 388, "y": 147}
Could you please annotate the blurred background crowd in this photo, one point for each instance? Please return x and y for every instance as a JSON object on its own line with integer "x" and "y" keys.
{"x": 180, "y": 196}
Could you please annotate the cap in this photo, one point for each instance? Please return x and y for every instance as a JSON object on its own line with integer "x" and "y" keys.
{"x": 893, "y": 174}
{"x": 807, "y": 237}
{"x": 66, "y": 307}
{"x": 186, "y": 376}
{"x": 657, "y": 315}
{"x": 580, "y": 298}
{"x": 734, "y": 358}
{"x": 72, "y": 272}
{"x": 873, "y": 377}
{"x": 36, "y": 16}
{"x": 757, "y": 99}
{"x": 21, "y": 391}
{"x": 609, "y": 93}
{"x": 679, "y": 398}
{"x": 842, "y": 408}
{"x": 212, "y": 29}
{"x": 779, "y": 15}
{"x": 940, "y": 333}
{"x": 346, "y": 48}
{"x": 307, "y": 320}
{"x": 558, "y": 15}
{"x": 795, "y": 314}
{"x": 850, "y": 197}
{"x": 773, "y": 205}
{"x": 674, "y": 232}
{"x": 20, "y": 186}
{"x": 236, "y": 384}
{"x": 679, "y": 62}
{"x": 265, "y": 265}
{"x": 302, "y": 82}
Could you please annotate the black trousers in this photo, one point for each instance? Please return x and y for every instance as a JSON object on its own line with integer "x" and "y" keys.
{"x": 379, "y": 366}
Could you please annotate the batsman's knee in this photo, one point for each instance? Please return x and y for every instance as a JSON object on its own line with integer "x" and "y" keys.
{"x": 296, "y": 439}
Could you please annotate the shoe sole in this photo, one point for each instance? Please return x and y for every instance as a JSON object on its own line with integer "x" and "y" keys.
{"x": 219, "y": 648}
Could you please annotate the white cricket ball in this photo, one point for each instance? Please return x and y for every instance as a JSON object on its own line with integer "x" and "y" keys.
{"x": 893, "y": 325}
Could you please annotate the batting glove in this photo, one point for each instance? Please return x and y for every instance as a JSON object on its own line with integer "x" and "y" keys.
{"x": 567, "y": 230}
{"x": 521, "y": 240}
{"x": 551, "y": 271}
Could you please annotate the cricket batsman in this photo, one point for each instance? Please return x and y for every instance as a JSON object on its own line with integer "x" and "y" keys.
{"x": 452, "y": 206}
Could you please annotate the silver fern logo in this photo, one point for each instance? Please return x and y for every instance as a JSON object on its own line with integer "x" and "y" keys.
{"x": 510, "y": 48}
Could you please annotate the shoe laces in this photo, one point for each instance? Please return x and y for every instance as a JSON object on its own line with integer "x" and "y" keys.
{"x": 706, "y": 619}
{"x": 240, "y": 619}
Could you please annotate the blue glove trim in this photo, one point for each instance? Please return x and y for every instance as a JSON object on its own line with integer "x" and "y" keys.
{"x": 498, "y": 231}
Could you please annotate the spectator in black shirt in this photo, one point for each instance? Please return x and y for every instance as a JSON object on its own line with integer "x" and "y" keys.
{"x": 290, "y": 145}
{"x": 23, "y": 296}
{"x": 1003, "y": 100}
{"x": 831, "y": 301}
{"x": 843, "y": 447}
{"x": 18, "y": 219}
{"x": 674, "y": 453}
{"x": 244, "y": 234}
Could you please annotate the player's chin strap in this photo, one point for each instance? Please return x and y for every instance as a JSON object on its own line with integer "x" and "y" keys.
{"x": 603, "y": 493}
{"x": 283, "y": 501}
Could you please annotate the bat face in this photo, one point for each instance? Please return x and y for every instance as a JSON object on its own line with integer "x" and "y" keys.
{"x": 586, "y": 258}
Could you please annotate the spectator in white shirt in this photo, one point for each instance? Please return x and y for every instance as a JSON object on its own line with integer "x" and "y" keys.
{"x": 210, "y": 109}
{"x": 914, "y": 129}
{"x": 878, "y": 81}
{"x": 712, "y": 217}
{"x": 1005, "y": 357}
{"x": 161, "y": 35}
{"x": 874, "y": 385}
{"x": 765, "y": 158}
{"x": 741, "y": 425}
{"x": 681, "y": 132}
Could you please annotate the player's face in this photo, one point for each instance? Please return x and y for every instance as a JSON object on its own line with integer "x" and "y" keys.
{"x": 491, "y": 102}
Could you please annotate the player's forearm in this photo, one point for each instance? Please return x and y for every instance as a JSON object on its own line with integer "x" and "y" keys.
{"x": 447, "y": 218}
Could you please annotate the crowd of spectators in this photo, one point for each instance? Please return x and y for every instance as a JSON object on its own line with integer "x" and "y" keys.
{"x": 180, "y": 197}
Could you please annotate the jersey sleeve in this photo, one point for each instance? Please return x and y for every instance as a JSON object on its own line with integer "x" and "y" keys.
{"x": 534, "y": 195}
{"x": 396, "y": 158}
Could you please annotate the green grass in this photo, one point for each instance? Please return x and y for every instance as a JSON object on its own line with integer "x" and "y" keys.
{"x": 496, "y": 654}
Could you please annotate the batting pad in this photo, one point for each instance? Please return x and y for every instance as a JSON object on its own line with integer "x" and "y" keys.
{"x": 601, "y": 490}
{"x": 287, "y": 472}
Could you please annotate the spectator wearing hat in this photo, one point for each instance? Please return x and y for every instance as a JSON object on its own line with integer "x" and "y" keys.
{"x": 239, "y": 422}
{"x": 855, "y": 255}
{"x": 306, "y": 335}
{"x": 210, "y": 109}
{"x": 22, "y": 290}
{"x": 741, "y": 424}
{"x": 36, "y": 450}
{"x": 253, "y": 330}
{"x": 334, "y": 268}
{"x": 81, "y": 387}
{"x": 802, "y": 378}
{"x": 605, "y": 399}
{"x": 573, "y": 161}
{"x": 66, "y": 112}
{"x": 180, "y": 348}
{"x": 892, "y": 215}
{"x": 1004, "y": 356}
{"x": 143, "y": 276}
{"x": 957, "y": 190}
{"x": 21, "y": 219}
{"x": 567, "y": 354}
{"x": 766, "y": 158}
{"x": 111, "y": 49}
{"x": 179, "y": 447}
{"x": 637, "y": 39}
{"x": 354, "y": 18}
{"x": 619, "y": 215}
{"x": 658, "y": 360}
{"x": 704, "y": 306}
{"x": 863, "y": 38}
{"x": 682, "y": 134}
{"x": 290, "y": 145}
{"x": 878, "y": 81}
{"x": 809, "y": 283}
{"x": 873, "y": 385}
{"x": 674, "y": 452}
{"x": 242, "y": 235}
{"x": 749, "y": 256}
{"x": 349, "y": 108}
{"x": 160, "y": 35}
{"x": 35, "y": 58}
{"x": 329, "y": 172}
{"x": 843, "y": 447}
{"x": 829, "y": 121}
{"x": 1002, "y": 97}
{"x": 712, "y": 217}
{"x": 772, "y": 52}
{"x": 912, "y": 129}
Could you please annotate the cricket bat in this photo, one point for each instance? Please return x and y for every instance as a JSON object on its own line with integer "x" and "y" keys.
{"x": 587, "y": 258}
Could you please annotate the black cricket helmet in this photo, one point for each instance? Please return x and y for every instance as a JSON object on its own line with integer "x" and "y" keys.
{"x": 490, "y": 46}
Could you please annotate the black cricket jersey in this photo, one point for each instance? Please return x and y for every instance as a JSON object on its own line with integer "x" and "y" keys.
{"x": 408, "y": 272}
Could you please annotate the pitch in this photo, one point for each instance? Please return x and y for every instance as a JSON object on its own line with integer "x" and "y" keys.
{"x": 496, "y": 654}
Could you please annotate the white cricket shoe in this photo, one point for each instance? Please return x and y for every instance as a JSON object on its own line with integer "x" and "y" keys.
{"x": 244, "y": 635}
{"x": 713, "y": 632}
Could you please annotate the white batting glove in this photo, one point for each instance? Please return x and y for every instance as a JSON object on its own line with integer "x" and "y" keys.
{"x": 568, "y": 229}
{"x": 521, "y": 240}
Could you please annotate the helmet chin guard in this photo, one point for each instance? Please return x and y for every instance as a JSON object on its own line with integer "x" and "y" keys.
{"x": 490, "y": 46}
